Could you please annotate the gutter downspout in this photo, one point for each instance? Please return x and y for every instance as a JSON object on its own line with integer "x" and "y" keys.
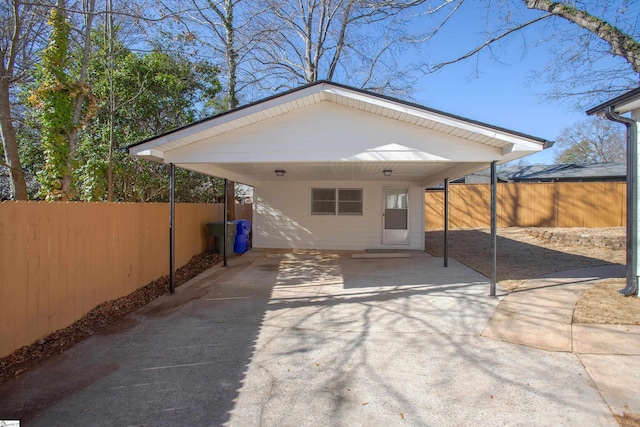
{"x": 494, "y": 229}
{"x": 632, "y": 200}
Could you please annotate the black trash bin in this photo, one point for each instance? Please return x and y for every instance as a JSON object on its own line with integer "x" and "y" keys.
{"x": 216, "y": 230}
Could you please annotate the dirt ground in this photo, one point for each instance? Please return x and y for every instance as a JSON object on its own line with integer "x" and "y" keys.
{"x": 527, "y": 253}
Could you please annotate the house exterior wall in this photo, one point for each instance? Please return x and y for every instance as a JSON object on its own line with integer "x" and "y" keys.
{"x": 330, "y": 132}
{"x": 282, "y": 217}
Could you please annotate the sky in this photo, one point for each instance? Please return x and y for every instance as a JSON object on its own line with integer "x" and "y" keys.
{"x": 500, "y": 95}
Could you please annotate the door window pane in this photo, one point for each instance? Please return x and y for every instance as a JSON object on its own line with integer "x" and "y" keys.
{"x": 396, "y": 198}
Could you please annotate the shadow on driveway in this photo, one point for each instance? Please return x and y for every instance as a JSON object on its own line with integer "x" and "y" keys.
{"x": 180, "y": 360}
{"x": 325, "y": 340}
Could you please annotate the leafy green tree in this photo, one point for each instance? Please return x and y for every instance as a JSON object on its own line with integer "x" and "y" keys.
{"x": 64, "y": 101}
{"x": 153, "y": 93}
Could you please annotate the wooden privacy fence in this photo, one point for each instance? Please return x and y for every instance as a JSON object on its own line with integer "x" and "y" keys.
{"x": 59, "y": 260}
{"x": 563, "y": 204}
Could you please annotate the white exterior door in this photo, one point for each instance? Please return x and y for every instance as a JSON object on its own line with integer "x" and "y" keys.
{"x": 395, "y": 216}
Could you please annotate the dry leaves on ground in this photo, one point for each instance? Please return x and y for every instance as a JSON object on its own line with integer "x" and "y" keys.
{"x": 101, "y": 316}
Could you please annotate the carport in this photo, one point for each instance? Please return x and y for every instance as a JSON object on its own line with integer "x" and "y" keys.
{"x": 334, "y": 167}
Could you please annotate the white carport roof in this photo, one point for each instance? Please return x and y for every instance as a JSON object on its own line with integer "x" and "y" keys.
{"x": 328, "y": 131}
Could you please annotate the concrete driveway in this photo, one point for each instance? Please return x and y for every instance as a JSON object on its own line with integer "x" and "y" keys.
{"x": 311, "y": 339}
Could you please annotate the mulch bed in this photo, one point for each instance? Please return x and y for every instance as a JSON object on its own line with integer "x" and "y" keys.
{"x": 103, "y": 315}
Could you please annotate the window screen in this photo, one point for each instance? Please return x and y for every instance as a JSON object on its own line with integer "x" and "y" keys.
{"x": 323, "y": 201}
{"x": 349, "y": 201}
{"x": 336, "y": 201}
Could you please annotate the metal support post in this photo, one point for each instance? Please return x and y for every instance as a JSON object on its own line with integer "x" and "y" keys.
{"x": 172, "y": 223}
{"x": 494, "y": 243}
{"x": 225, "y": 217}
{"x": 446, "y": 222}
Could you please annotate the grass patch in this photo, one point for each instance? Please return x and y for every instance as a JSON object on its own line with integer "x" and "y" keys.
{"x": 602, "y": 304}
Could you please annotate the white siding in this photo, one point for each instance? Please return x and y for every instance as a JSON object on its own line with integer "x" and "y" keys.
{"x": 327, "y": 132}
{"x": 282, "y": 217}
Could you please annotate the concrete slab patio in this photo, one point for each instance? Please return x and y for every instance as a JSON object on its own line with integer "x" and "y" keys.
{"x": 312, "y": 339}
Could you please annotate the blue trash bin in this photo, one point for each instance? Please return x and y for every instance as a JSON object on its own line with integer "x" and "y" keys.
{"x": 243, "y": 230}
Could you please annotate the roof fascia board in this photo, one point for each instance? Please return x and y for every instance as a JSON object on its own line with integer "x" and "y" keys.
{"x": 225, "y": 118}
{"x": 456, "y": 171}
{"x": 437, "y": 116}
{"x": 340, "y": 90}
{"x": 622, "y": 104}
{"x": 212, "y": 170}
{"x": 438, "y": 112}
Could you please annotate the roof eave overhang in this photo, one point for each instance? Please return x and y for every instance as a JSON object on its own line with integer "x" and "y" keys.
{"x": 622, "y": 104}
{"x": 323, "y": 91}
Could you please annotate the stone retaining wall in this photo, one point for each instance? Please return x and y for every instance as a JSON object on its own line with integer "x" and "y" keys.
{"x": 583, "y": 239}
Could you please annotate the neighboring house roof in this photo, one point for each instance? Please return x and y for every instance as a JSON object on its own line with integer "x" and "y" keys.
{"x": 326, "y": 130}
{"x": 564, "y": 172}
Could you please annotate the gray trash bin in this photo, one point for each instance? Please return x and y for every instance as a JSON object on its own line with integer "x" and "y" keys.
{"x": 216, "y": 230}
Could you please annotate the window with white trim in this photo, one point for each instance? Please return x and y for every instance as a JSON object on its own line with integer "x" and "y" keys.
{"x": 336, "y": 201}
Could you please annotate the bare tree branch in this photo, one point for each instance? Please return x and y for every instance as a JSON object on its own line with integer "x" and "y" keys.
{"x": 487, "y": 44}
{"x": 621, "y": 44}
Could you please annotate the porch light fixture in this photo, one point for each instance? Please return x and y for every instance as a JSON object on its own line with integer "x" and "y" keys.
{"x": 280, "y": 172}
{"x": 387, "y": 172}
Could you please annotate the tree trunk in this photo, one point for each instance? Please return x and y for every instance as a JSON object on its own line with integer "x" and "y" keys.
{"x": 621, "y": 44}
{"x": 232, "y": 56}
{"x": 79, "y": 103}
{"x": 10, "y": 145}
{"x": 232, "y": 96}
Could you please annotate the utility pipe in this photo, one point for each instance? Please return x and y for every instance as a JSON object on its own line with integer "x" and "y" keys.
{"x": 632, "y": 200}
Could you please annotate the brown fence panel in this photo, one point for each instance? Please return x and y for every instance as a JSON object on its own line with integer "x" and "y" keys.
{"x": 434, "y": 210}
{"x": 469, "y": 207}
{"x": 244, "y": 211}
{"x": 473, "y": 204}
{"x": 521, "y": 205}
{"x": 600, "y": 204}
{"x": 59, "y": 260}
{"x": 579, "y": 204}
